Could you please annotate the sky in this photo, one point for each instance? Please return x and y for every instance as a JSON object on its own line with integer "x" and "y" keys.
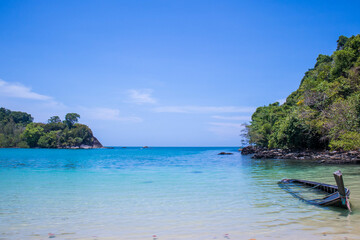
{"x": 162, "y": 73}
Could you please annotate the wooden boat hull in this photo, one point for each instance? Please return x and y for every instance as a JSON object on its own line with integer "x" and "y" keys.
{"x": 332, "y": 199}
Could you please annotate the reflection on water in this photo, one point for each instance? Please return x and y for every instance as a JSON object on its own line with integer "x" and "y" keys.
{"x": 173, "y": 193}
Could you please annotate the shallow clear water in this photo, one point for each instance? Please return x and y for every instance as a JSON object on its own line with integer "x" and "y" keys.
{"x": 173, "y": 193}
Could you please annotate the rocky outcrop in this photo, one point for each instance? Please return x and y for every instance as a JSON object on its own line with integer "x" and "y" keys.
{"x": 336, "y": 157}
{"x": 94, "y": 144}
{"x": 249, "y": 150}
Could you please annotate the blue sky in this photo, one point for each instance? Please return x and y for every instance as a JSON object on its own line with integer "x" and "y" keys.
{"x": 162, "y": 73}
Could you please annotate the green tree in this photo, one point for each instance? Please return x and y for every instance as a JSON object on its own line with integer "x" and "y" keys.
{"x": 346, "y": 141}
{"x": 48, "y": 140}
{"x": 341, "y": 42}
{"x": 343, "y": 59}
{"x": 71, "y": 119}
{"x": 32, "y": 134}
{"x": 54, "y": 119}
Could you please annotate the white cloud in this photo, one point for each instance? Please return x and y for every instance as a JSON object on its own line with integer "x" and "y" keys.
{"x": 281, "y": 101}
{"x": 107, "y": 114}
{"x": 204, "y": 109}
{"x": 141, "y": 96}
{"x": 17, "y": 90}
{"x": 233, "y": 118}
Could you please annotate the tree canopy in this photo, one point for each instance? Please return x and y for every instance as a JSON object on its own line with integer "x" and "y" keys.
{"x": 71, "y": 119}
{"x": 54, "y": 119}
{"x": 12, "y": 124}
{"x": 323, "y": 113}
{"x": 17, "y": 129}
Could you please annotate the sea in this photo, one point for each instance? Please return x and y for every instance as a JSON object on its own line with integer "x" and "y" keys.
{"x": 163, "y": 193}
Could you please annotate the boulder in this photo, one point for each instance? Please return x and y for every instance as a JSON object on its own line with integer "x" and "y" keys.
{"x": 248, "y": 150}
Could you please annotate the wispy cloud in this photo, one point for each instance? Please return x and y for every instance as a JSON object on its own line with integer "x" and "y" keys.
{"x": 225, "y": 124}
{"x": 204, "y": 109}
{"x": 17, "y": 90}
{"x": 141, "y": 96}
{"x": 107, "y": 114}
{"x": 233, "y": 118}
{"x": 47, "y": 106}
{"x": 225, "y": 129}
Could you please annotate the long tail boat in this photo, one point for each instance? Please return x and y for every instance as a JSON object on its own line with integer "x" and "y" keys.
{"x": 337, "y": 196}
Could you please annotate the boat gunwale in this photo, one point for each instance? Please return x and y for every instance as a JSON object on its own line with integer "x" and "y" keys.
{"x": 285, "y": 181}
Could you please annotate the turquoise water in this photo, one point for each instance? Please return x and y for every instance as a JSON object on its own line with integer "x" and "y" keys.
{"x": 173, "y": 193}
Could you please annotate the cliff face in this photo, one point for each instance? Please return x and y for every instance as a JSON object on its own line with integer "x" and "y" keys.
{"x": 323, "y": 113}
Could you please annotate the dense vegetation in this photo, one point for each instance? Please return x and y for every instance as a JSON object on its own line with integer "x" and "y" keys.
{"x": 323, "y": 113}
{"x": 17, "y": 129}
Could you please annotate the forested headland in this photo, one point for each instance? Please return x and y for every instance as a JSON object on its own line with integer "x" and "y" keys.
{"x": 17, "y": 129}
{"x": 323, "y": 113}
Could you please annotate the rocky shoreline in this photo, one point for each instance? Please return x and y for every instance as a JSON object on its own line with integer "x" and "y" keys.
{"x": 94, "y": 144}
{"x": 332, "y": 157}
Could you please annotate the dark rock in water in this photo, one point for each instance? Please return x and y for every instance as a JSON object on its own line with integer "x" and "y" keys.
{"x": 225, "y": 153}
{"x": 145, "y": 147}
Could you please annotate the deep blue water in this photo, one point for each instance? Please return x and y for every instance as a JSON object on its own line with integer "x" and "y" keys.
{"x": 173, "y": 193}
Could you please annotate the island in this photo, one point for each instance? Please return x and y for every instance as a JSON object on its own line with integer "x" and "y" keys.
{"x": 17, "y": 130}
{"x": 321, "y": 119}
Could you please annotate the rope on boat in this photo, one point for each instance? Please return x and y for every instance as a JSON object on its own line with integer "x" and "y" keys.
{"x": 316, "y": 186}
{"x": 348, "y": 204}
{"x": 297, "y": 194}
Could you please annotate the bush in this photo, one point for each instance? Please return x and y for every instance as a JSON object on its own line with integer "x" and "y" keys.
{"x": 49, "y": 140}
{"x": 32, "y": 134}
{"x": 22, "y": 144}
{"x": 347, "y": 141}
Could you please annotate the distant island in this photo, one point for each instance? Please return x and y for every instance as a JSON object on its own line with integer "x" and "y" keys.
{"x": 322, "y": 114}
{"x": 17, "y": 130}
